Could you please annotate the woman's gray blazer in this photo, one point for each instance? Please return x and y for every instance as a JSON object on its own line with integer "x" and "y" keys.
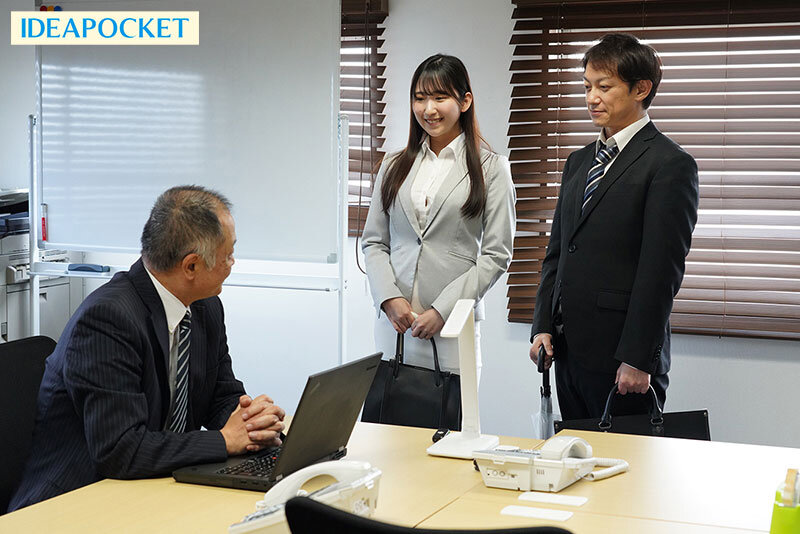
{"x": 454, "y": 257}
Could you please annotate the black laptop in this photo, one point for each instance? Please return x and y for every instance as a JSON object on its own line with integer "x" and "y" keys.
{"x": 320, "y": 429}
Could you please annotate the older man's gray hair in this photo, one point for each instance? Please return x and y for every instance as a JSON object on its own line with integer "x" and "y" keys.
{"x": 184, "y": 220}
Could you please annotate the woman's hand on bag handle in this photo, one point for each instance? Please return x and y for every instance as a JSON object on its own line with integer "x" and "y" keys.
{"x": 398, "y": 310}
{"x": 428, "y": 324}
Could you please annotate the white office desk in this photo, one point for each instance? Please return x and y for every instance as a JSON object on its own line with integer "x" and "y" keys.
{"x": 673, "y": 485}
{"x": 682, "y": 486}
{"x": 413, "y": 487}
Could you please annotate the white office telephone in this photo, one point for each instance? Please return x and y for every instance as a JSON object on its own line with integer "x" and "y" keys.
{"x": 561, "y": 461}
{"x": 355, "y": 491}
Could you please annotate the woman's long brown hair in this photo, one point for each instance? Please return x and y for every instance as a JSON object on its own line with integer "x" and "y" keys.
{"x": 440, "y": 74}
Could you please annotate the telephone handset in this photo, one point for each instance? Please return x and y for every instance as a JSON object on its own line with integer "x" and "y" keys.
{"x": 561, "y": 461}
{"x": 561, "y": 447}
{"x": 344, "y": 471}
{"x": 355, "y": 491}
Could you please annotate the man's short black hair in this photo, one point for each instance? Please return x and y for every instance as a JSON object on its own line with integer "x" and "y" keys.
{"x": 623, "y": 54}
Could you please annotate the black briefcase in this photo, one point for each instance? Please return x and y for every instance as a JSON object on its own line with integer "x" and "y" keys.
{"x": 409, "y": 395}
{"x": 689, "y": 425}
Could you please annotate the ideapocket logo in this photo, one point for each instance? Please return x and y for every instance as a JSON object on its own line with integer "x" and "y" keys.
{"x": 105, "y": 28}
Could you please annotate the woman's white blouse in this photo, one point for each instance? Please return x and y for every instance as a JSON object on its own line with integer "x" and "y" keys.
{"x": 432, "y": 171}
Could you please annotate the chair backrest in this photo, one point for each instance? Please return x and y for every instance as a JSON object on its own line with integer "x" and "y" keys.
{"x": 307, "y": 516}
{"x": 21, "y": 370}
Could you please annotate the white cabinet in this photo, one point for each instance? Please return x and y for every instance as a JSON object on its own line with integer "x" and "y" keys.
{"x": 54, "y": 309}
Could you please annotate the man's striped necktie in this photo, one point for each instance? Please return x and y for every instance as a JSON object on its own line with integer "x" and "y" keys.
{"x": 601, "y": 161}
{"x": 178, "y": 419}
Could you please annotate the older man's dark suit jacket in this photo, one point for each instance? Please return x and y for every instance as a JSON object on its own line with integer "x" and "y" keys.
{"x": 105, "y": 397}
{"x": 617, "y": 266}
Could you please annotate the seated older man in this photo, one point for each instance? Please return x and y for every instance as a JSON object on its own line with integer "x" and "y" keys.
{"x": 144, "y": 364}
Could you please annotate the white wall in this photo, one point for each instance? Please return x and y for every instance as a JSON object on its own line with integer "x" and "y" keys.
{"x": 749, "y": 386}
{"x": 477, "y": 32}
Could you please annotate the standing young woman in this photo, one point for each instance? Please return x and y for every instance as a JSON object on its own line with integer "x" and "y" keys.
{"x": 441, "y": 224}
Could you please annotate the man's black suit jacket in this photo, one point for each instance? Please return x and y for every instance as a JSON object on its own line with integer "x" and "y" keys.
{"x": 617, "y": 266}
{"x": 105, "y": 395}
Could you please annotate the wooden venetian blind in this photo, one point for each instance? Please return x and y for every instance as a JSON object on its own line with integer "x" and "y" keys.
{"x": 730, "y": 95}
{"x": 361, "y": 99}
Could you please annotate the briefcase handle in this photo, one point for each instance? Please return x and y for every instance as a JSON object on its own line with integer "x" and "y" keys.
{"x": 656, "y": 413}
{"x": 398, "y": 355}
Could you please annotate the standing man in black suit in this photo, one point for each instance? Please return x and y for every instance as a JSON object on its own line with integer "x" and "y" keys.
{"x": 143, "y": 364}
{"x": 621, "y": 231}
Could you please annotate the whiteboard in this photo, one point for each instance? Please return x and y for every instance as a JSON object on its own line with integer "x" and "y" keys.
{"x": 251, "y": 112}
{"x": 274, "y": 352}
{"x": 16, "y": 66}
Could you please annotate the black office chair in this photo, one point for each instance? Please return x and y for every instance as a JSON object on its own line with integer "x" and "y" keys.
{"x": 307, "y": 516}
{"x": 21, "y": 370}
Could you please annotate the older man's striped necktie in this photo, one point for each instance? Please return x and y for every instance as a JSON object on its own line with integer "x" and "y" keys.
{"x": 178, "y": 419}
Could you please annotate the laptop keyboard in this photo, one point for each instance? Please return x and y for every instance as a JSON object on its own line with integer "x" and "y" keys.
{"x": 257, "y": 466}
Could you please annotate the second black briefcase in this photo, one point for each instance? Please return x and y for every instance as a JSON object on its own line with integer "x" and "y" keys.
{"x": 689, "y": 425}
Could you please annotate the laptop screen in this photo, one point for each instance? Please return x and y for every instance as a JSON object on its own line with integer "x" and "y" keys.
{"x": 326, "y": 414}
